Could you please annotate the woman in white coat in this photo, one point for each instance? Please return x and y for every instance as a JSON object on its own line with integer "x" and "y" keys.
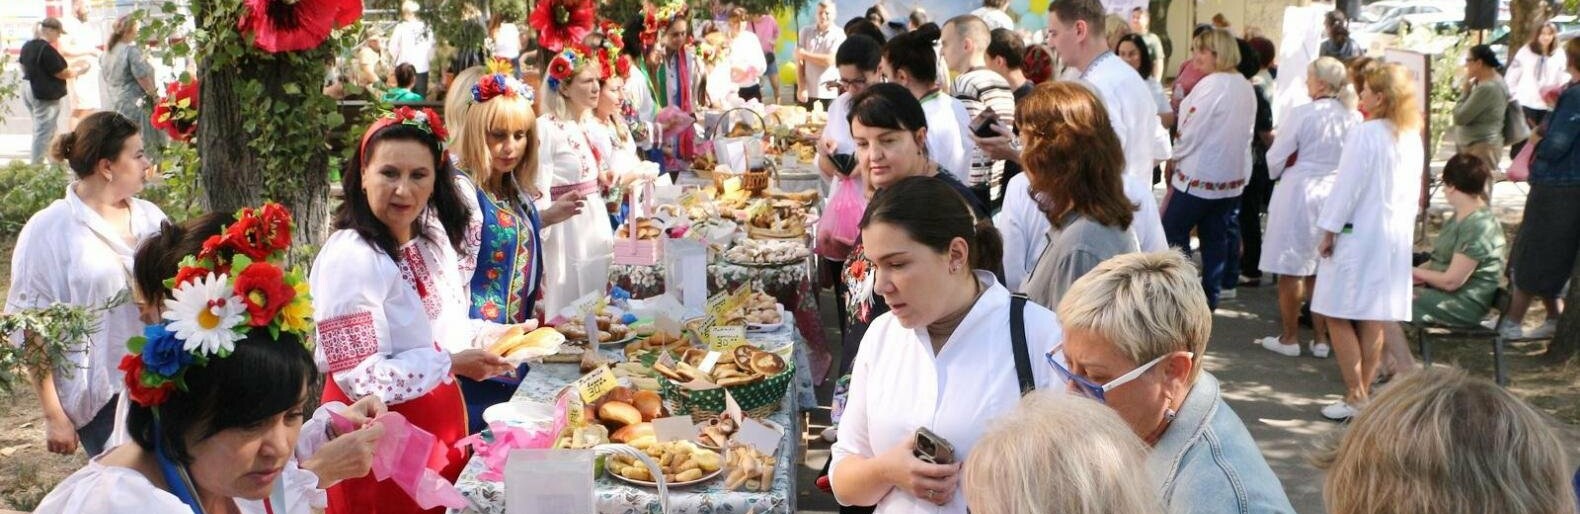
{"x": 578, "y": 251}
{"x": 1303, "y": 159}
{"x": 943, "y": 358}
{"x": 1363, "y": 280}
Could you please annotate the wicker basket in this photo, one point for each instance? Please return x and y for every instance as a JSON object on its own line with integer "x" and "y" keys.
{"x": 756, "y": 181}
{"x": 758, "y": 400}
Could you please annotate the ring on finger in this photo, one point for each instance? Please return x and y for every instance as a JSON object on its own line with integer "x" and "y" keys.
{"x": 931, "y": 493}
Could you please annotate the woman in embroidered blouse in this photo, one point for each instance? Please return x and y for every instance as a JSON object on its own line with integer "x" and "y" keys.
{"x": 221, "y": 445}
{"x": 675, "y": 79}
{"x": 576, "y": 253}
{"x": 502, "y": 263}
{"x": 391, "y": 319}
{"x": 1213, "y": 156}
{"x": 611, "y": 130}
{"x": 918, "y": 367}
{"x": 78, "y": 251}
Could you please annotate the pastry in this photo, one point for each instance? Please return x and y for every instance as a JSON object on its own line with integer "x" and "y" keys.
{"x": 649, "y": 404}
{"x": 620, "y": 413}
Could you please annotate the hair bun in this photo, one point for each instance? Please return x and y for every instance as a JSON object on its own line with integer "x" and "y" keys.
{"x": 929, "y": 32}
{"x": 64, "y": 144}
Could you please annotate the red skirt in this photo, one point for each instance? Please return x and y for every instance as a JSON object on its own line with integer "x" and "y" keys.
{"x": 441, "y": 412}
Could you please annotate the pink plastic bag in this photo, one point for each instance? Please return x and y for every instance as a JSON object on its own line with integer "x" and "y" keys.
{"x": 1520, "y": 170}
{"x": 838, "y": 228}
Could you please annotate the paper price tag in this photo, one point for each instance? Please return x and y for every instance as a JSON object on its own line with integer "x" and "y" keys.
{"x": 724, "y": 339}
{"x": 757, "y": 435}
{"x": 718, "y": 303}
{"x": 674, "y": 428}
{"x": 709, "y": 362}
{"x": 594, "y": 385}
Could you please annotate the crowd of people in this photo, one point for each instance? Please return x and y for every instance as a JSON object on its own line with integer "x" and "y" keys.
{"x": 1012, "y": 283}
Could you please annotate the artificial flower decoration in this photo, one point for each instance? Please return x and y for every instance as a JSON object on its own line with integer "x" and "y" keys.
{"x": 562, "y": 22}
{"x": 217, "y": 298}
{"x": 567, "y": 64}
{"x": 294, "y": 25}
{"x": 206, "y": 314}
{"x": 499, "y": 84}
{"x": 176, "y": 114}
{"x": 613, "y": 34}
{"x": 425, "y": 119}
{"x": 656, "y": 19}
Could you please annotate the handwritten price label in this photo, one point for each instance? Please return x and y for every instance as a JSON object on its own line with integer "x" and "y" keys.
{"x": 724, "y": 339}
{"x": 594, "y": 385}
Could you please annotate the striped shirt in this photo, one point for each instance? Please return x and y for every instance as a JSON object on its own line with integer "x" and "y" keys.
{"x": 980, "y": 89}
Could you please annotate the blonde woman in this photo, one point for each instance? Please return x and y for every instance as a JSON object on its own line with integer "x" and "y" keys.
{"x": 1213, "y": 158}
{"x": 458, "y": 100}
{"x": 1368, "y": 223}
{"x": 1084, "y": 460}
{"x": 1441, "y": 441}
{"x": 577, "y": 253}
{"x": 1304, "y": 158}
{"x": 1136, "y": 329}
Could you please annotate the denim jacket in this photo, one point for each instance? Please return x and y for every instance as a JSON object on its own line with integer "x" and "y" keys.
{"x": 1206, "y": 461}
{"x": 1556, "y": 161}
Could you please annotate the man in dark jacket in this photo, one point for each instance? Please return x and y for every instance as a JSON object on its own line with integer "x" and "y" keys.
{"x": 46, "y": 72}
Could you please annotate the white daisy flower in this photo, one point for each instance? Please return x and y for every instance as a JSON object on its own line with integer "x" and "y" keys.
{"x": 204, "y": 314}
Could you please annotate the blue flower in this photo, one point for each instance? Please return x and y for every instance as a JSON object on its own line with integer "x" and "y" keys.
{"x": 163, "y": 353}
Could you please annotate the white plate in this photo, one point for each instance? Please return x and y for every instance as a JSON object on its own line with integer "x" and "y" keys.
{"x": 521, "y": 413}
{"x": 756, "y": 327}
{"x": 671, "y": 485}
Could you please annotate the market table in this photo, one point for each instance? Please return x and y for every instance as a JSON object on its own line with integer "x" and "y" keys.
{"x": 616, "y": 497}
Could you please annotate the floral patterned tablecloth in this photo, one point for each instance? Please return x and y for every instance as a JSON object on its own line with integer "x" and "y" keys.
{"x": 615, "y": 497}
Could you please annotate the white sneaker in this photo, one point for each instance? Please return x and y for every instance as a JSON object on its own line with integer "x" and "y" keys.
{"x": 1228, "y": 294}
{"x": 1320, "y": 350}
{"x": 1544, "y": 330}
{"x": 830, "y": 434}
{"x": 1338, "y": 412}
{"x": 1273, "y": 344}
{"x": 1490, "y": 323}
{"x": 1510, "y": 330}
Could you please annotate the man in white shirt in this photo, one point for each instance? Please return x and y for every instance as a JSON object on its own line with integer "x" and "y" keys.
{"x": 84, "y": 45}
{"x": 412, "y": 43}
{"x": 1075, "y": 30}
{"x": 963, "y": 43}
{"x": 992, "y": 13}
{"x": 814, "y": 56}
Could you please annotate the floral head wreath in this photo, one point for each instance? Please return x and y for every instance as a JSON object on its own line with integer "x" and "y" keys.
{"x": 657, "y": 19}
{"x": 562, "y": 22}
{"x": 566, "y": 64}
{"x": 235, "y": 285}
{"x": 425, "y": 120}
{"x": 500, "y": 83}
{"x": 610, "y": 61}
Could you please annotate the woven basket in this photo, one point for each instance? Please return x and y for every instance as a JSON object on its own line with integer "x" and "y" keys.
{"x": 756, "y": 181}
{"x": 758, "y": 400}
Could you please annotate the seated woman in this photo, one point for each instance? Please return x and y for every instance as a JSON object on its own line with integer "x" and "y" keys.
{"x": 1076, "y": 168}
{"x": 1084, "y": 460}
{"x": 1456, "y": 286}
{"x": 405, "y": 78}
{"x": 1441, "y": 441}
{"x": 952, "y": 332}
{"x": 218, "y": 428}
{"x": 1136, "y": 330}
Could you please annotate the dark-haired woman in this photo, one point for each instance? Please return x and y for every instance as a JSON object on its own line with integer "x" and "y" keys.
{"x": 1482, "y": 103}
{"x": 1536, "y": 68}
{"x": 130, "y": 80}
{"x": 942, "y": 359}
{"x": 78, "y": 251}
{"x": 1076, "y": 166}
{"x": 910, "y": 61}
{"x": 1339, "y": 45}
{"x": 235, "y": 437}
{"x": 391, "y": 318}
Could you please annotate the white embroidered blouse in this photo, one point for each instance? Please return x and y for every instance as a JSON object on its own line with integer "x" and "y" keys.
{"x": 387, "y": 327}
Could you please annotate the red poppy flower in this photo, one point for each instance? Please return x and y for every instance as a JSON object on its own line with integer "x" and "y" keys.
{"x": 176, "y": 114}
{"x": 189, "y": 273}
{"x": 622, "y": 67}
{"x": 276, "y": 234}
{"x": 562, "y": 22}
{"x": 284, "y": 26}
{"x": 263, "y": 289}
{"x": 560, "y": 68}
{"x": 132, "y": 365}
{"x": 245, "y": 237}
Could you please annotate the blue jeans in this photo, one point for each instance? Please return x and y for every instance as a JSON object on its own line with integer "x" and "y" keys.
{"x": 46, "y": 113}
{"x": 93, "y": 435}
{"x": 1214, "y": 221}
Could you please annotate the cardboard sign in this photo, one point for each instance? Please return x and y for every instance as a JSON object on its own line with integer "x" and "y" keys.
{"x": 709, "y": 362}
{"x": 686, "y": 273}
{"x": 594, "y": 385}
{"x": 674, "y": 428}
{"x": 760, "y": 436}
{"x": 725, "y": 339}
{"x": 549, "y": 482}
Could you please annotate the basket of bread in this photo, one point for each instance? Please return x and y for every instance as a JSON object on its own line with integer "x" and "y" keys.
{"x": 756, "y": 379}
{"x": 778, "y": 219}
{"x": 639, "y": 242}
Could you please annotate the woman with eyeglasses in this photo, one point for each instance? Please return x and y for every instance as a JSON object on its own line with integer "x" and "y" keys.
{"x": 1136, "y": 329}
{"x": 944, "y": 358}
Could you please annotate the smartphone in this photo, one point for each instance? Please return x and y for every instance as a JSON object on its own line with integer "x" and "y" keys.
{"x": 932, "y": 448}
{"x": 983, "y": 125}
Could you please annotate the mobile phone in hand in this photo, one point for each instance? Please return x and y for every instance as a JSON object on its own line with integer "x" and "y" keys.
{"x": 982, "y": 126}
{"x": 932, "y": 448}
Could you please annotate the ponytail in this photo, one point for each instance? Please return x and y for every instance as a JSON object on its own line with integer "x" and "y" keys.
{"x": 987, "y": 250}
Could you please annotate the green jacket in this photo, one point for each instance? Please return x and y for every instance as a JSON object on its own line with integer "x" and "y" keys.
{"x": 1478, "y": 116}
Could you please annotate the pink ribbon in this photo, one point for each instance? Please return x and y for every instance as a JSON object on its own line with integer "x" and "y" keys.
{"x": 506, "y": 438}
{"x": 585, "y": 188}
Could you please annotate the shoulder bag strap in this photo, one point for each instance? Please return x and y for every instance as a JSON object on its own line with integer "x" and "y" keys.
{"x": 1017, "y": 338}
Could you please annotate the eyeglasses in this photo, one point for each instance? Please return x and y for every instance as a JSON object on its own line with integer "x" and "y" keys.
{"x": 1098, "y": 391}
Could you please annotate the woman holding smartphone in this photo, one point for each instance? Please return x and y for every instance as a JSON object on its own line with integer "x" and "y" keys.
{"x": 950, "y": 324}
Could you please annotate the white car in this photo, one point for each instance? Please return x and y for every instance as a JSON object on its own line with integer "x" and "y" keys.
{"x": 1390, "y": 10}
